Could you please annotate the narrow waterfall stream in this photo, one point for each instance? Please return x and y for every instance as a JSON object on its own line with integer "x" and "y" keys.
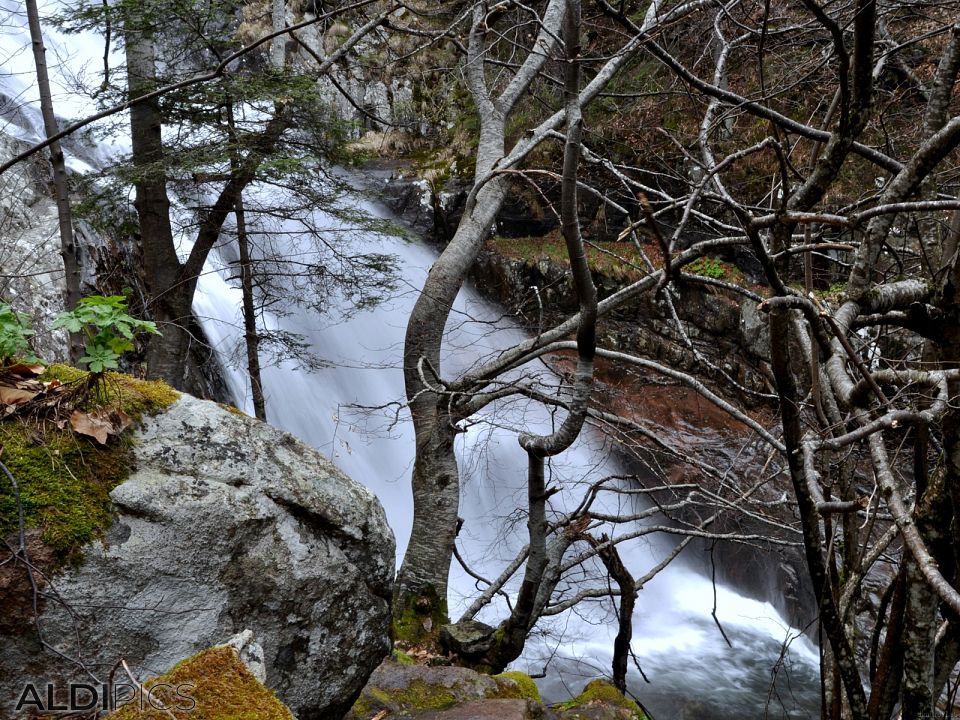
{"x": 692, "y": 671}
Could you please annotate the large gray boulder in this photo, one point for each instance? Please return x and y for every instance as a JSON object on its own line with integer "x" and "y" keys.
{"x": 226, "y": 524}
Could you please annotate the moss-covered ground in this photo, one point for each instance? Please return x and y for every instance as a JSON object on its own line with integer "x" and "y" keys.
{"x": 64, "y": 478}
{"x": 212, "y": 685}
{"x": 618, "y": 260}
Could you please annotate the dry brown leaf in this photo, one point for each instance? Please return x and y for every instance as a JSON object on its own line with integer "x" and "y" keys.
{"x": 120, "y": 420}
{"x": 14, "y": 396}
{"x": 380, "y": 715}
{"x": 100, "y": 424}
{"x": 92, "y": 425}
{"x": 26, "y": 370}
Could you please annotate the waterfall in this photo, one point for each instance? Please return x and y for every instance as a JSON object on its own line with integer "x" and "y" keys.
{"x": 351, "y": 409}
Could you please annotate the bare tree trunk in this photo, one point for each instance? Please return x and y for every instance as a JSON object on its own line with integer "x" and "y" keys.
{"x": 68, "y": 250}
{"x": 436, "y": 483}
{"x": 619, "y": 573}
{"x": 436, "y": 479}
{"x": 278, "y": 17}
{"x": 250, "y": 335}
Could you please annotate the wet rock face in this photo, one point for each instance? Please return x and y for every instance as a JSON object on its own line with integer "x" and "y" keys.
{"x": 226, "y": 524}
{"x": 727, "y": 333}
{"x": 32, "y": 269}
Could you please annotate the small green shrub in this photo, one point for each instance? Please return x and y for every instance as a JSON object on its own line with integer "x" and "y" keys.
{"x": 834, "y": 294}
{"x": 708, "y": 267}
{"x": 109, "y": 329}
{"x": 14, "y": 333}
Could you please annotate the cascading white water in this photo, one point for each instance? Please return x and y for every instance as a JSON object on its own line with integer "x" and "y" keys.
{"x": 692, "y": 672}
{"x": 681, "y": 650}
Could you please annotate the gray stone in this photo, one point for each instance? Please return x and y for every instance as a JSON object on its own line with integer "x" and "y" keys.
{"x": 466, "y": 638}
{"x": 226, "y": 525}
{"x": 250, "y": 653}
{"x": 30, "y": 251}
{"x": 754, "y": 329}
{"x": 486, "y": 710}
{"x": 402, "y": 690}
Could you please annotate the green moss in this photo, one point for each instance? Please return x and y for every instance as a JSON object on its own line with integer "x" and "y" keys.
{"x": 620, "y": 261}
{"x": 517, "y": 685}
{"x": 602, "y": 691}
{"x": 216, "y": 684}
{"x": 835, "y": 294}
{"x": 401, "y": 658}
{"x": 135, "y": 397}
{"x": 417, "y": 696}
{"x": 710, "y": 267}
{"x": 65, "y": 479}
{"x": 419, "y": 619}
{"x": 64, "y": 483}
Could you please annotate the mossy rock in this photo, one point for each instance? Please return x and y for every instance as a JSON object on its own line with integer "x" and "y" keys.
{"x": 211, "y": 685}
{"x": 600, "y": 695}
{"x": 401, "y": 658}
{"x": 517, "y": 685}
{"x": 64, "y": 479}
{"x": 417, "y": 696}
{"x": 404, "y": 690}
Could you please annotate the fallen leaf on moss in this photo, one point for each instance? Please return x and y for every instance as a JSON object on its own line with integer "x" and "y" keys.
{"x": 26, "y": 370}
{"x": 13, "y": 396}
{"x": 99, "y": 425}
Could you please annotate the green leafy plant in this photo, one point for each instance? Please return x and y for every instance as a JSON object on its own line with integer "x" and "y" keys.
{"x": 707, "y": 267}
{"x": 108, "y": 327}
{"x": 14, "y": 334}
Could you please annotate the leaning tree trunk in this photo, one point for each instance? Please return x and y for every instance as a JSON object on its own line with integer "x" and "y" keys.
{"x": 422, "y": 580}
{"x": 421, "y": 586}
{"x": 68, "y": 250}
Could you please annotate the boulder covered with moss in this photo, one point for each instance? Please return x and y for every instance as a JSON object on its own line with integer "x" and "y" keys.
{"x": 222, "y": 524}
{"x": 403, "y": 689}
{"x": 214, "y": 684}
{"x": 399, "y": 689}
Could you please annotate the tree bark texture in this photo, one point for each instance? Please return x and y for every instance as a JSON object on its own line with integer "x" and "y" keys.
{"x": 68, "y": 249}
